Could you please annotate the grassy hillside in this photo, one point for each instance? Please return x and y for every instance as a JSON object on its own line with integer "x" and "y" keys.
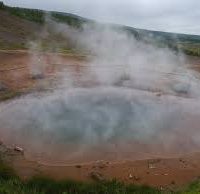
{"x": 189, "y": 44}
{"x": 20, "y": 24}
{"x": 14, "y": 31}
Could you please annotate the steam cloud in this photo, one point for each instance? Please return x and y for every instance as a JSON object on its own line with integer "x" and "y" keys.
{"x": 112, "y": 106}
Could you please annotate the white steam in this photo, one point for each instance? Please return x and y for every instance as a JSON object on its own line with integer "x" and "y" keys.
{"x": 111, "y": 104}
{"x": 117, "y": 58}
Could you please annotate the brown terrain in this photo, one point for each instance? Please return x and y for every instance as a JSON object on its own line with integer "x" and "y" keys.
{"x": 16, "y": 74}
{"x": 162, "y": 172}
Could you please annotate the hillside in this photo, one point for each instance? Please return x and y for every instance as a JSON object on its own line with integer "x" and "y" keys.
{"x": 20, "y": 25}
{"x": 14, "y": 31}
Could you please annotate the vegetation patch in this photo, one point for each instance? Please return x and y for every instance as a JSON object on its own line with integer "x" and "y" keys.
{"x": 8, "y": 94}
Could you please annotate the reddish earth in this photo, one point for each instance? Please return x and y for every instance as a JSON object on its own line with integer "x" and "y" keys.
{"x": 168, "y": 173}
{"x": 172, "y": 172}
{"x": 15, "y": 68}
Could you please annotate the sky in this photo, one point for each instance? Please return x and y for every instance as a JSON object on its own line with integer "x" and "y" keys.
{"x": 181, "y": 16}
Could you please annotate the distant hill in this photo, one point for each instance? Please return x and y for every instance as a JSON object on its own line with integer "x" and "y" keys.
{"x": 20, "y": 24}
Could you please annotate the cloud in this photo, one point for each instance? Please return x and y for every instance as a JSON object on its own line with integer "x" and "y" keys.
{"x": 168, "y": 15}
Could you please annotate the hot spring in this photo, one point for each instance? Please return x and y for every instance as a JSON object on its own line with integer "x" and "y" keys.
{"x": 131, "y": 100}
{"x": 81, "y": 125}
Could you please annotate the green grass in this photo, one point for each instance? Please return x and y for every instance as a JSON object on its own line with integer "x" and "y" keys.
{"x": 38, "y": 16}
{"x": 190, "y": 49}
{"x": 12, "y": 46}
{"x": 194, "y": 188}
{"x": 47, "y": 186}
{"x": 6, "y": 172}
{"x": 34, "y": 15}
{"x": 9, "y": 94}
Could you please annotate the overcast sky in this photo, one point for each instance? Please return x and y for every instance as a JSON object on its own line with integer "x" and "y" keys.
{"x": 166, "y": 15}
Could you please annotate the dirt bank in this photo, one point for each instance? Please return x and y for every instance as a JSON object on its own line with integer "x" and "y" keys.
{"x": 163, "y": 173}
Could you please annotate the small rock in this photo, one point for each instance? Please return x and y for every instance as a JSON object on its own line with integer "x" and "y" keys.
{"x": 173, "y": 182}
{"x": 130, "y": 176}
{"x": 78, "y": 166}
{"x": 136, "y": 178}
{"x": 96, "y": 176}
{"x": 18, "y": 149}
{"x": 181, "y": 160}
{"x": 162, "y": 188}
{"x": 2, "y": 87}
{"x": 37, "y": 76}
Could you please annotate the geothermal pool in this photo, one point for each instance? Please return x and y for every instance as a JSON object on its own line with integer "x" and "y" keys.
{"x": 104, "y": 123}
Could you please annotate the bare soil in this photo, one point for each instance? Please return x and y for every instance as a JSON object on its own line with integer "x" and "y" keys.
{"x": 170, "y": 172}
{"x": 165, "y": 173}
{"x": 15, "y": 73}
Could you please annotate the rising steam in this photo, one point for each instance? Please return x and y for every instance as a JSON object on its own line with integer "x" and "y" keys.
{"x": 129, "y": 97}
